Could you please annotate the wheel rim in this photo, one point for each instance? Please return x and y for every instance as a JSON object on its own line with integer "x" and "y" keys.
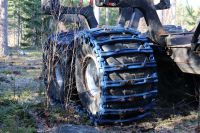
{"x": 58, "y": 75}
{"x": 91, "y": 81}
{"x": 91, "y": 77}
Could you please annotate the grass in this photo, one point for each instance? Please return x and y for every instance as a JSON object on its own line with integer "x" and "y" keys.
{"x": 16, "y": 104}
{"x": 15, "y": 117}
{"x": 19, "y": 112}
{"x": 7, "y": 72}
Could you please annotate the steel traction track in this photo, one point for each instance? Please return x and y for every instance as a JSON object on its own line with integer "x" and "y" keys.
{"x": 90, "y": 38}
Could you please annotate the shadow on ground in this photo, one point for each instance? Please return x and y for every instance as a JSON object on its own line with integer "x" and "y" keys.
{"x": 22, "y": 89}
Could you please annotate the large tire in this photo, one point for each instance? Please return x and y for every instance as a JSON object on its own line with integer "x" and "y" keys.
{"x": 174, "y": 85}
{"x": 115, "y": 75}
{"x": 58, "y": 69}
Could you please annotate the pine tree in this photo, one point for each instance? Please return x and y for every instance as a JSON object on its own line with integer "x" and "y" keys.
{"x": 3, "y": 27}
{"x": 31, "y": 22}
{"x": 26, "y": 20}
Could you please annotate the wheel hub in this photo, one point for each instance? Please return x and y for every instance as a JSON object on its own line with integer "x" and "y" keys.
{"x": 58, "y": 75}
{"x": 92, "y": 77}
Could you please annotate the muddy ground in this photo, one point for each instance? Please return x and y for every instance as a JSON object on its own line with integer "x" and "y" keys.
{"x": 22, "y": 103}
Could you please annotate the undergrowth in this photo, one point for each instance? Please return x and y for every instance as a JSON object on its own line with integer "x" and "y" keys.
{"x": 15, "y": 117}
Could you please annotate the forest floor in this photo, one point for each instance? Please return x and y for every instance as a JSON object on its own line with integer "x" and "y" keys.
{"x": 23, "y": 110}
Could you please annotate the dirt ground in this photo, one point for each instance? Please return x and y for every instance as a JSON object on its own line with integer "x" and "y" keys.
{"x": 21, "y": 88}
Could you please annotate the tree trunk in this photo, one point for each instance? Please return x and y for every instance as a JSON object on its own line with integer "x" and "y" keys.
{"x": 107, "y": 16}
{"x": 3, "y": 27}
{"x": 97, "y": 13}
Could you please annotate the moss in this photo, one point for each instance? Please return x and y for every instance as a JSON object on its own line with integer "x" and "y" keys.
{"x": 7, "y": 72}
{"x": 15, "y": 117}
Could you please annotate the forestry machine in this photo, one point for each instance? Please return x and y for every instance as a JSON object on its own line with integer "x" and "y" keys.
{"x": 116, "y": 71}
